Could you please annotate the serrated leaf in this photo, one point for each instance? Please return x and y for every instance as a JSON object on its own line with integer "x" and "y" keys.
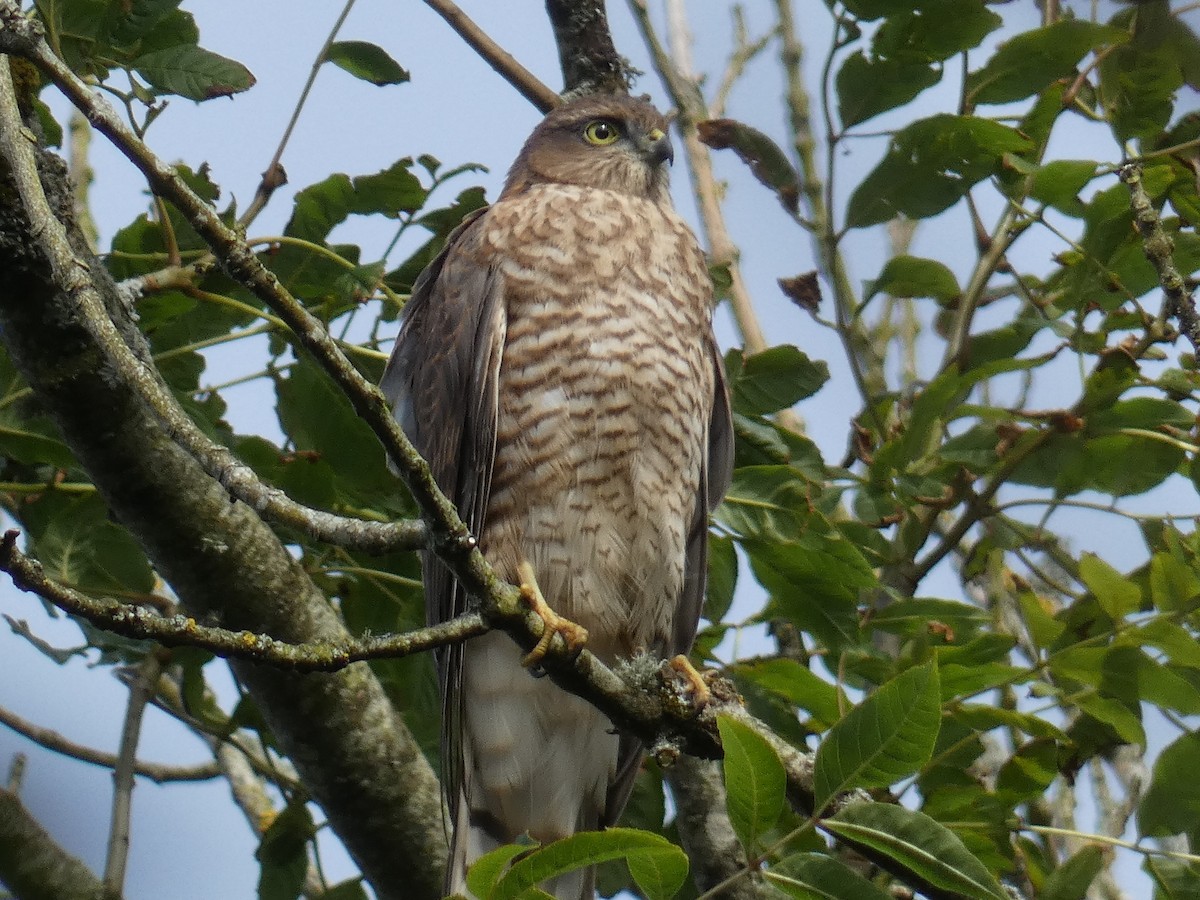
{"x": 193, "y": 72}
{"x": 367, "y": 61}
{"x": 918, "y": 848}
{"x": 754, "y": 781}
{"x": 661, "y": 863}
{"x": 888, "y": 736}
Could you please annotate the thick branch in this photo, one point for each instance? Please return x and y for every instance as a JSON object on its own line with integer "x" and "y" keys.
{"x": 32, "y": 865}
{"x": 590, "y": 63}
{"x": 58, "y": 310}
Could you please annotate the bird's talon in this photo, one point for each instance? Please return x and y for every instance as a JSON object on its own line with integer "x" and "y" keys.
{"x": 575, "y": 636}
{"x": 694, "y": 681}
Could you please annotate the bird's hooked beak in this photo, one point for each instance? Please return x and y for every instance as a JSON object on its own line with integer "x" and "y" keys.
{"x": 656, "y": 145}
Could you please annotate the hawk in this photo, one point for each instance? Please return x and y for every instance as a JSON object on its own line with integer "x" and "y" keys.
{"x": 557, "y": 368}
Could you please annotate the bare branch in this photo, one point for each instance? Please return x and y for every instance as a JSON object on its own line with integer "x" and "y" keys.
{"x": 57, "y": 743}
{"x": 141, "y": 689}
{"x": 503, "y": 62}
{"x": 141, "y": 623}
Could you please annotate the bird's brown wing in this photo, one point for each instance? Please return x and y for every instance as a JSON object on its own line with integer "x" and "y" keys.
{"x": 714, "y": 481}
{"x": 441, "y": 382}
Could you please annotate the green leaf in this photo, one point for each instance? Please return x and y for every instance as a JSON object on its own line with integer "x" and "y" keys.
{"x": 765, "y": 501}
{"x": 1029, "y": 62}
{"x": 657, "y": 865}
{"x": 282, "y": 854}
{"x": 868, "y": 86}
{"x": 888, "y": 736}
{"x": 393, "y": 191}
{"x": 913, "y": 616}
{"x": 918, "y": 848}
{"x": 795, "y": 683}
{"x": 80, "y": 546}
{"x": 754, "y": 781}
{"x": 485, "y": 872}
{"x": 722, "y": 577}
{"x": 775, "y": 379}
{"x": 1174, "y": 585}
{"x": 1058, "y": 184}
{"x": 1071, "y": 880}
{"x": 1116, "y": 594}
{"x": 1138, "y": 84}
{"x": 814, "y": 583}
{"x": 930, "y": 165}
{"x": 367, "y": 61}
{"x": 1171, "y": 804}
{"x": 912, "y": 276}
{"x": 814, "y": 876}
{"x": 193, "y": 72}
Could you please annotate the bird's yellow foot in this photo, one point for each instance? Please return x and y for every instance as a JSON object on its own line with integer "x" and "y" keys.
{"x": 694, "y": 681}
{"x": 574, "y": 635}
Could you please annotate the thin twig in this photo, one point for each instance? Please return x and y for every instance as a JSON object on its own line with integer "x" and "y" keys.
{"x": 141, "y": 689}
{"x": 57, "y": 743}
{"x": 503, "y": 62}
{"x": 273, "y": 176}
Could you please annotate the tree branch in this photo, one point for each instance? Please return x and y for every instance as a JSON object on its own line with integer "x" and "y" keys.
{"x": 141, "y": 623}
{"x": 503, "y": 62}
{"x": 141, "y": 690}
{"x": 1157, "y": 246}
{"x": 57, "y": 743}
{"x": 32, "y": 865}
{"x": 57, "y": 304}
{"x": 590, "y": 63}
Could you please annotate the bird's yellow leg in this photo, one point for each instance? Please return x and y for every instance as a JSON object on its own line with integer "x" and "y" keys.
{"x": 696, "y": 685}
{"x": 574, "y": 635}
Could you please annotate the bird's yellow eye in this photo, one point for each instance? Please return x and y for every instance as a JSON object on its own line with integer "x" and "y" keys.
{"x": 601, "y": 132}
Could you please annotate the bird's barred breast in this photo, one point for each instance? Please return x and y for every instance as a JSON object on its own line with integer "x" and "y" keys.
{"x": 605, "y": 394}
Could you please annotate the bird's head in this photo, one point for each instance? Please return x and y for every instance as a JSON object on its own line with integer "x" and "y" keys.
{"x": 601, "y": 141}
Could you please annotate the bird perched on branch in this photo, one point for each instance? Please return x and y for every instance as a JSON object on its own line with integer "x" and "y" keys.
{"x": 557, "y": 369}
